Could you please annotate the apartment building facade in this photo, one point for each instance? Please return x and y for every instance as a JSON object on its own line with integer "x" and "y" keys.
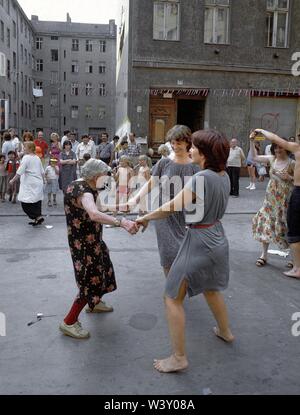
{"x": 224, "y": 64}
{"x": 59, "y": 75}
{"x": 16, "y": 82}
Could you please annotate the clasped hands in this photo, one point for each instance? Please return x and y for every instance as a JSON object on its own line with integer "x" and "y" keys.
{"x": 133, "y": 227}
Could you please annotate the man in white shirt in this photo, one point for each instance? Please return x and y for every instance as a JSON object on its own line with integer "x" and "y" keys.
{"x": 234, "y": 164}
{"x": 66, "y": 137}
{"x": 15, "y": 139}
{"x": 86, "y": 147}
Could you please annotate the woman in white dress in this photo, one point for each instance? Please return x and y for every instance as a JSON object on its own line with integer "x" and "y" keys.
{"x": 31, "y": 193}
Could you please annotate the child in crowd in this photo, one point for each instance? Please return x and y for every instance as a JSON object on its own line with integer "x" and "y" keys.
{"x": 51, "y": 176}
{"x": 164, "y": 151}
{"x": 123, "y": 179}
{"x": 3, "y": 178}
{"x": 12, "y": 167}
{"x": 86, "y": 157}
{"x": 144, "y": 175}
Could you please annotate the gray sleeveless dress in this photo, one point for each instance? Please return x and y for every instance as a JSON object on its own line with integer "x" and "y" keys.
{"x": 203, "y": 259}
{"x": 171, "y": 231}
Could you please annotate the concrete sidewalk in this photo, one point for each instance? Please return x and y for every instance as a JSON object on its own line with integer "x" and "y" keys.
{"x": 37, "y": 277}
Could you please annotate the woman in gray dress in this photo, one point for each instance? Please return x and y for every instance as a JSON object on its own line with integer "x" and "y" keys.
{"x": 171, "y": 230}
{"x": 68, "y": 167}
{"x": 202, "y": 263}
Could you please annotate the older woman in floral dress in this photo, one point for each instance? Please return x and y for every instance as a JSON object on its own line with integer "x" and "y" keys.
{"x": 93, "y": 268}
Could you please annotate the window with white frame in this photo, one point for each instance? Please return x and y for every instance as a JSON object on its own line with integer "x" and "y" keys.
{"x": 102, "y": 90}
{"x": 54, "y": 100}
{"x": 89, "y": 46}
{"x": 216, "y": 24}
{"x": 102, "y": 46}
{"x": 75, "y": 45}
{"x": 89, "y": 89}
{"x": 277, "y": 23}
{"x": 39, "y": 43}
{"x": 75, "y": 67}
{"x": 102, "y": 67}
{"x": 75, "y": 89}
{"x": 54, "y": 77}
{"x": 89, "y": 67}
{"x": 166, "y": 20}
{"x": 74, "y": 111}
{"x": 40, "y": 65}
{"x": 89, "y": 112}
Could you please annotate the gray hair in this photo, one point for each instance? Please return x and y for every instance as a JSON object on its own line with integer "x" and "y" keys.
{"x": 94, "y": 168}
{"x": 164, "y": 148}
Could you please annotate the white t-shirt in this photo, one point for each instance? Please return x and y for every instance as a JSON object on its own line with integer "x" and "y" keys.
{"x": 50, "y": 172}
{"x": 235, "y": 158}
{"x": 32, "y": 183}
{"x": 7, "y": 147}
{"x": 16, "y": 143}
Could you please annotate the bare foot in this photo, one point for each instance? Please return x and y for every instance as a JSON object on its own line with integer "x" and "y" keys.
{"x": 172, "y": 364}
{"x": 228, "y": 337}
{"x": 294, "y": 273}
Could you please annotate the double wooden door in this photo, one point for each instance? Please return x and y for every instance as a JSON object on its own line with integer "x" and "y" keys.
{"x": 163, "y": 116}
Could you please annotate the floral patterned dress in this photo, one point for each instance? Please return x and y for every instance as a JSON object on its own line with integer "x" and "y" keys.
{"x": 93, "y": 268}
{"x": 270, "y": 223}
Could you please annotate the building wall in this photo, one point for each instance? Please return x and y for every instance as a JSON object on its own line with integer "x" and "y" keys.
{"x": 57, "y": 118}
{"x": 61, "y": 114}
{"x": 15, "y": 89}
{"x": 228, "y": 71}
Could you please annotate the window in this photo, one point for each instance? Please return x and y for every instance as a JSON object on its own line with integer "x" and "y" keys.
{"x": 89, "y": 46}
{"x": 101, "y": 113}
{"x": 26, "y": 57}
{"x": 22, "y": 108}
{"x": 14, "y": 60}
{"x": 26, "y": 84}
{"x": 75, "y": 89}
{"x": 166, "y": 20}
{"x": 216, "y": 27}
{"x": 75, "y": 45}
{"x": 102, "y": 46}
{"x": 54, "y": 100}
{"x": 2, "y": 31}
{"x": 89, "y": 112}
{"x": 39, "y": 85}
{"x": 89, "y": 89}
{"x": 277, "y": 23}
{"x": 39, "y": 65}
{"x": 8, "y": 38}
{"x": 9, "y": 103}
{"x": 39, "y": 43}
{"x": 39, "y": 111}
{"x": 26, "y": 110}
{"x": 22, "y": 81}
{"x": 15, "y": 92}
{"x": 75, "y": 67}
{"x": 29, "y": 111}
{"x": 74, "y": 112}
{"x": 14, "y": 29}
{"x": 54, "y": 77}
{"x": 8, "y": 69}
{"x": 22, "y": 25}
{"x": 22, "y": 53}
{"x": 54, "y": 124}
{"x": 54, "y": 55}
{"x": 54, "y": 37}
{"x": 102, "y": 67}
{"x": 102, "y": 90}
{"x": 89, "y": 67}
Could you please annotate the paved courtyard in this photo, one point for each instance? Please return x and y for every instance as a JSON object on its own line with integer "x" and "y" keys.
{"x": 37, "y": 277}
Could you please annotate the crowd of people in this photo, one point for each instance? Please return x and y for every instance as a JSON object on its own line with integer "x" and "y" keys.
{"x": 194, "y": 250}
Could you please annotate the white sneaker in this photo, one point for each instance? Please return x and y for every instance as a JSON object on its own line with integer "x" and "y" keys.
{"x": 253, "y": 187}
{"x": 249, "y": 187}
{"x": 102, "y": 307}
{"x": 76, "y": 331}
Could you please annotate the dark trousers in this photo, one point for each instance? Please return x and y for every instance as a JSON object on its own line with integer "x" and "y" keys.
{"x": 106, "y": 161}
{"x": 33, "y": 210}
{"x": 234, "y": 174}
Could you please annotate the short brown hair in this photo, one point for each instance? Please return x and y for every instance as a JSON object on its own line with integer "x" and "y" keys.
{"x": 215, "y": 148}
{"x": 27, "y": 136}
{"x": 180, "y": 133}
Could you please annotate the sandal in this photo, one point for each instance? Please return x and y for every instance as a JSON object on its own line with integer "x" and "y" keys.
{"x": 290, "y": 265}
{"x": 261, "y": 262}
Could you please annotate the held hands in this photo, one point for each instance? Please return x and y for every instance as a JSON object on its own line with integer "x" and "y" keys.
{"x": 142, "y": 223}
{"x": 130, "y": 227}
